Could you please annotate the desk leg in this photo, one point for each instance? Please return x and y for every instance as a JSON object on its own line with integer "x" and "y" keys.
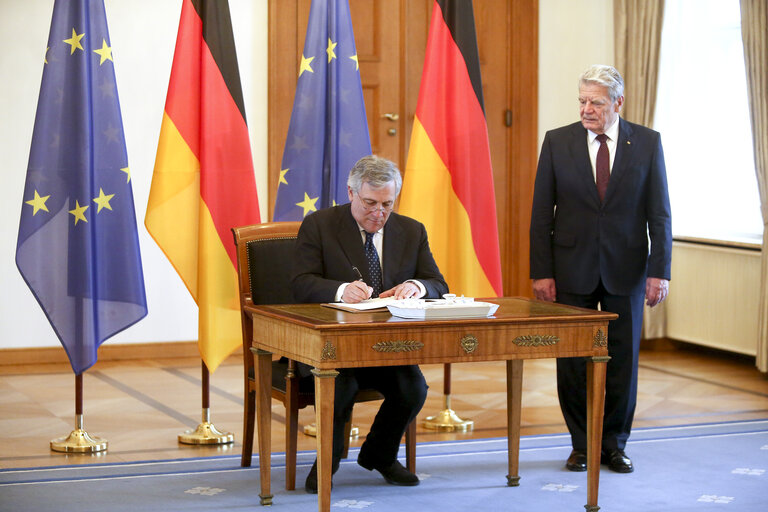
{"x": 514, "y": 403}
{"x": 596, "y": 367}
{"x": 263, "y": 368}
{"x": 325, "y": 385}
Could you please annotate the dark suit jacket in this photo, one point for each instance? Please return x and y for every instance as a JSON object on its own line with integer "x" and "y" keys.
{"x": 577, "y": 240}
{"x": 329, "y": 244}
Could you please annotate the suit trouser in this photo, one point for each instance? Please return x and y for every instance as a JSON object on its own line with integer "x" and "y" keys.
{"x": 621, "y": 376}
{"x": 404, "y": 389}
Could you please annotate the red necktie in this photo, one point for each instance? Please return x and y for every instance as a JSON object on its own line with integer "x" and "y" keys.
{"x": 602, "y": 166}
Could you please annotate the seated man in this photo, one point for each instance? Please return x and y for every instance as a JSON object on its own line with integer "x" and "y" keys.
{"x": 354, "y": 252}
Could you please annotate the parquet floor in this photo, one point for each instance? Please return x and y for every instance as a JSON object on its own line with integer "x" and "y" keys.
{"x": 140, "y": 406}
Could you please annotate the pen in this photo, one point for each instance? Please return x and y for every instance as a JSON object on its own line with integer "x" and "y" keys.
{"x": 359, "y": 275}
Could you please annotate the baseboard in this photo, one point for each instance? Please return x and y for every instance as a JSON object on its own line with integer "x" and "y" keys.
{"x": 659, "y": 344}
{"x": 46, "y": 355}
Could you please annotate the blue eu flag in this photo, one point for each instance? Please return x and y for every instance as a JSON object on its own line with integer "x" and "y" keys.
{"x": 78, "y": 248}
{"x": 328, "y": 131}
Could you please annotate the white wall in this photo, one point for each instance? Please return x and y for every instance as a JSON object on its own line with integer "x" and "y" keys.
{"x": 143, "y": 36}
{"x": 573, "y": 35}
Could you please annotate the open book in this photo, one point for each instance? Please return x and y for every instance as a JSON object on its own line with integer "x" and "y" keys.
{"x": 366, "y": 305}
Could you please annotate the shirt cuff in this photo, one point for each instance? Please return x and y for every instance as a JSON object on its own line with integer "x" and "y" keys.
{"x": 422, "y": 289}
{"x": 340, "y": 292}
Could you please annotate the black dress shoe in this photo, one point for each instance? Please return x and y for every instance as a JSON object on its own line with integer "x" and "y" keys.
{"x": 396, "y": 474}
{"x": 310, "y": 484}
{"x": 577, "y": 461}
{"x": 617, "y": 461}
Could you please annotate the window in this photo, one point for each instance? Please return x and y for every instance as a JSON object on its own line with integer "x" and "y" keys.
{"x": 702, "y": 114}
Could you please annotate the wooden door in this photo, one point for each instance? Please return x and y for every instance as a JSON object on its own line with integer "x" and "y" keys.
{"x": 391, "y": 36}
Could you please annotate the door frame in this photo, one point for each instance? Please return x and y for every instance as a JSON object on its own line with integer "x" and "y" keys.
{"x": 522, "y": 20}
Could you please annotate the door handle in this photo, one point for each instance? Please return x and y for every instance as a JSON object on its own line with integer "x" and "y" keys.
{"x": 391, "y": 116}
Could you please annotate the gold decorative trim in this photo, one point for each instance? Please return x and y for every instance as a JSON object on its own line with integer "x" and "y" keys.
{"x": 601, "y": 340}
{"x": 536, "y": 340}
{"x": 469, "y": 343}
{"x": 329, "y": 352}
{"x": 398, "y": 346}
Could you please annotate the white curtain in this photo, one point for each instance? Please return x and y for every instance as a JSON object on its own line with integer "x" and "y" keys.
{"x": 637, "y": 41}
{"x": 754, "y": 30}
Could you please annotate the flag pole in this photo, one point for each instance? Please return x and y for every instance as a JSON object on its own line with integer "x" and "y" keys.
{"x": 206, "y": 432}
{"x": 79, "y": 441}
{"x": 447, "y": 420}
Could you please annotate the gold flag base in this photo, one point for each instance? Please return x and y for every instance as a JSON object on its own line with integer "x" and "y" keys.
{"x": 311, "y": 430}
{"x": 447, "y": 420}
{"x": 206, "y": 433}
{"x": 79, "y": 441}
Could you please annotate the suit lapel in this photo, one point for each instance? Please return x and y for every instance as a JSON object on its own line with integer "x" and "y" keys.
{"x": 392, "y": 252}
{"x": 350, "y": 240}
{"x": 580, "y": 154}
{"x": 624, "y": 152}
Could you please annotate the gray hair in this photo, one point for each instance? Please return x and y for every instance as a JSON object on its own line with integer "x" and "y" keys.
{"x": 606, "y": 76}
{"x": 376, "y": 172}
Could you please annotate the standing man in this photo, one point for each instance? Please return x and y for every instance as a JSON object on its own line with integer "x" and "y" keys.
{"x": 354, "y": 252}
{"x": 600, "y": 193}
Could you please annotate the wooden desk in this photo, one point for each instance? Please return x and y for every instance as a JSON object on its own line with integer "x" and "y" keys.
{"x": 327, "y": 339}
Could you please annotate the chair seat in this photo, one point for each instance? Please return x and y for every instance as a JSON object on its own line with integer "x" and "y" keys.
{"x": 279, "y": 371}
{"x": 307, "y": 383}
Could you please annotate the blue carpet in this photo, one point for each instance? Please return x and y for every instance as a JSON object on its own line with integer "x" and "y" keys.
{"x": 711, "y": 467}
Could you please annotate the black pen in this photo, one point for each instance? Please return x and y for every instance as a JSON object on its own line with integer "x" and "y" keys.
{"x": 359, "y": 275}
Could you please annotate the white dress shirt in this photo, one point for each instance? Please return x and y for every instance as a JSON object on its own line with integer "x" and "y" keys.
{"x": 378, "y": 243}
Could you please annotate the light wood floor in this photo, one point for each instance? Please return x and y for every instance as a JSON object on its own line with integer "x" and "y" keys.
{"x": 140, "y": 406}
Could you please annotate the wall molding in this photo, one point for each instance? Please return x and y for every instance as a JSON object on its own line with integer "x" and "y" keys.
{"x": 118, "y": 352}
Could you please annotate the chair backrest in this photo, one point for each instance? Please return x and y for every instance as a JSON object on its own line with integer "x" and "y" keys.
{"x": 264, "y": 261}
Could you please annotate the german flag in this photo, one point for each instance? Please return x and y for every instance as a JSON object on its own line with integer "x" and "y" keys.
{"x": 203, "y": 183}
{"x": 448, "y": 182}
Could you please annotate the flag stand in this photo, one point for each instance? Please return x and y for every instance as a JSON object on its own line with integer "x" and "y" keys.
{"x": 206, "y": 432}
{"x": 79, "y": 441}
{"x": 447, "y": 420}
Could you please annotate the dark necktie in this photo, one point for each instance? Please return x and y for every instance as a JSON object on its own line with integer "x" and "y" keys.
{"x": 374, "y": 268}
{"x": 602, "y": 166}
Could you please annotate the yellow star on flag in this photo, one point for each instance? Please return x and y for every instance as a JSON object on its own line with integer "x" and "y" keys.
{"x": 74, "y": 41}
{"x": 282, "y": 177}
{"x": 103, "y": 200}
{"x": 305, "y": 65}
{"x": 329, "y": 50}
{"x": 45, "y": 57}
{"x": 357, "y": 63}
{"x": 308, "y": 204}
{"x": 79, "y": 212}
{"x": 105, "y": 52}
{"x": 127, "y": 171}
{"x": 38, "y": 203}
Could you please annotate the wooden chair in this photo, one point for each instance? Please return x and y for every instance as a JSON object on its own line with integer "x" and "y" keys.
{"x": 264, "y": 260}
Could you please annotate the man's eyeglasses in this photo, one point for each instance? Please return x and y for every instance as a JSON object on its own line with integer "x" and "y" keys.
{"x": 369, "y": 205}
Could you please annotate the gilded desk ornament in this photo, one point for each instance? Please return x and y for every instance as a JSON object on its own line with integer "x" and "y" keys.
{"x": 601, "y": 340}
{"x": 469, "y": 343}
{"x": 398, "y": 346}
{"x": 329, "y": 351}
{"x": 536, "y": 340}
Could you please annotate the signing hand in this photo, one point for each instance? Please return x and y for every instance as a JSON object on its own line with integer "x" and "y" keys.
{"x": 356, "y": 291}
